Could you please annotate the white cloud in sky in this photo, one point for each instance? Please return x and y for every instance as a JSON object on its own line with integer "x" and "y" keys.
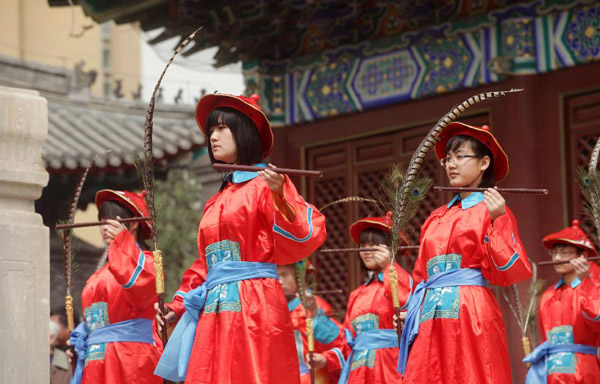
{"x": 188, "y": 73}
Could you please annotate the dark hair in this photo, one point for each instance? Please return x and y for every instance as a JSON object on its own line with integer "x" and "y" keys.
{"x": 480, "y": 150}
{"x": 110, "y": 209}
{"x": 61, "y": 312}
{"x": 374, "y": 236}
{"x": 244, "y": 131}
{"x": 578, "y": 250}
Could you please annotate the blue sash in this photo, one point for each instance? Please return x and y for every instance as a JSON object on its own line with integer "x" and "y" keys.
{"x": 376, "y": 339}
{"x": 176, "y": 356}
{"x": 136, "y": 330}
{"x": 537, "y": 373}
{"x": 452, "y": 278}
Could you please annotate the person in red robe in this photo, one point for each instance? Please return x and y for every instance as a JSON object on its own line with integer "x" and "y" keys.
{"x": 233, "y": 321}
{"x": 328, "y": 356}
{"x": 116, "y": 342}
{"x": 372, "y": 341}
{"x": 569, "y": 315}
{"x": 454, "y": 332}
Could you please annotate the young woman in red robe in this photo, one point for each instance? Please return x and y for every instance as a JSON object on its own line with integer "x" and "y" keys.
{"x": 116, "y": 343}
{"x": 328, "y": 332}
{"x": 372, "y": 341}
{"x": 569, "y": 315}
{"x": 234, "y": 324}
{"x": 454, "y": 332}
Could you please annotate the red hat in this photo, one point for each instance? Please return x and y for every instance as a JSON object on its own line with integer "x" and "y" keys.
{"x": 483, "y": 135}
{"x": 382, "y": 223}
{"x": 246, "y": 105}
{"x": 572, "y": 235}
{"x": 135, "y": 202}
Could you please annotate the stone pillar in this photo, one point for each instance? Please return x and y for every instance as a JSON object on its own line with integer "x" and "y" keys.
{"x": 24, "y": 243}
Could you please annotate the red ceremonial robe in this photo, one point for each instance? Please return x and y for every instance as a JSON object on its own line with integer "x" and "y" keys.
{"x": 329, "y": 341}
{"x": 370, "y": 308}
{"x": 571, "y": 314}
{"x": 461, "y": 336}
{"x": 244, "y": 333}
{"x": 121, "y": 290}
{"x": 595, "y": 273}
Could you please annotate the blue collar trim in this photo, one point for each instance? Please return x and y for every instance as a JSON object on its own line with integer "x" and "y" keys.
{"x": 574, "y": 284}
{"x": 293, "y": 304}
{"x": 243, "y": 176}
{"x": 379, "y": 277}
{"x": 470, "y": 201}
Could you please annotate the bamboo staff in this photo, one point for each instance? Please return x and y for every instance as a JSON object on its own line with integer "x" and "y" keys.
{"x": 310, "y": 336}
{"x": 252, "y": 168}
{"x": 547, "y": 263}
{"x": 102, "y": 222}
{"x": 526, "y": 191}
{"x": 364, "y": 249}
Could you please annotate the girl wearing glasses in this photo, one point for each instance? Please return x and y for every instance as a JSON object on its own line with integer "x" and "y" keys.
{"x": 454, "y": 329}
{"x": 569, "y": 315}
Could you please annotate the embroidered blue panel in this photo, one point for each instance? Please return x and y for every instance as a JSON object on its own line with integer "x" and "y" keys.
{"x": 96, "y": 317}
{"x": 442, "y": 303}
{"x": 561, "y": 362}
{"x": 364, "y": 323}
{"x": 224, "y": 297}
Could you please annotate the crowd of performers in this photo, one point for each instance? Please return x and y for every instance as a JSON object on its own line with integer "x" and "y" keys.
{"x": 237, "y": 316}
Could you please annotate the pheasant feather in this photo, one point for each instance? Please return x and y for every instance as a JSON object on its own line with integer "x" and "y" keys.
{"x": 68, "y": 250}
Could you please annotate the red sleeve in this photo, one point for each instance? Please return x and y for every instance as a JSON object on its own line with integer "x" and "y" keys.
{"x": 506, "y": 262}
{"x": 193, "y": 277}
{"x": 420, "y": 268}
{"x": 590, "y": 305}
{"x": 333, "y": 347}
{"x": 293, "y": 239}
{"x": 133, "y": 269}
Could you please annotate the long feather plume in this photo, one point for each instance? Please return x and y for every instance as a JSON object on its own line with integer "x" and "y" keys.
{"x": 590, "y": 187}
{"x": 145, "y": 169}
{"x": 349, "y": 199}
{"x": 68, "y": 249}
{"x": 146, "y": 166}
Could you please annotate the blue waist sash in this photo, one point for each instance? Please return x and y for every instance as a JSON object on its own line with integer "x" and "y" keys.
{"x": 376, "y": 339}
{"x": 537, "y": 373}
{"x": 452, "y": 278}
{"x": 135, "y": 330}
{"x": 176, "y": 356}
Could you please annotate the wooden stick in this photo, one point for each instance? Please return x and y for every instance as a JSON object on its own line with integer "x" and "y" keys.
{"x": 526, "y": 191}
{"x": 365, "y": 249}
{"x": 252, "y": 168}
{"x": 102, "y": 222}
{"x": 328, "y": 292}
{"x": 546, "y": 263}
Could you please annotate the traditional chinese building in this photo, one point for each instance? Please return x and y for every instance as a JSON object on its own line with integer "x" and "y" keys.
{"x": 353, "y": 86}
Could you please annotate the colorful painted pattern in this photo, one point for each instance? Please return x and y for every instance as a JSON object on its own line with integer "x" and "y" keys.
{"x": 535, "y": 37}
